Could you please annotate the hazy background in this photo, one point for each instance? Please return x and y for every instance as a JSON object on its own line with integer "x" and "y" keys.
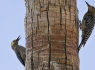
{"x": 12, "y": 13}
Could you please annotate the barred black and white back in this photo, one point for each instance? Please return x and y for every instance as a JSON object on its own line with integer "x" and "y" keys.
{"x": 19, "y": 50}
{"x": 20, "y": 54}
{"x": 89, "y": 25}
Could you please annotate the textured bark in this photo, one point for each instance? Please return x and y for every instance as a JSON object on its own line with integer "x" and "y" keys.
{"x": 51, "y": 28}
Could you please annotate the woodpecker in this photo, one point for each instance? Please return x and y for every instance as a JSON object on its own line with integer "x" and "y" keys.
{"x": 19, "y": 50}
{"x": 87, "y": 25}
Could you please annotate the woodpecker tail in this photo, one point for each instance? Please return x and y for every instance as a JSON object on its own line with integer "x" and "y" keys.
{"x": 80, "y": 46}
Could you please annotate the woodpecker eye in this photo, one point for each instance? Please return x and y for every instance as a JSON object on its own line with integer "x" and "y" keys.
{"x": 13, "y": 41}
{"x": 92, "y": 7}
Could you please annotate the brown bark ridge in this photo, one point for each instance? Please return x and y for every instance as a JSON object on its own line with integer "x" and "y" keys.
{"x": 51, "y": 28}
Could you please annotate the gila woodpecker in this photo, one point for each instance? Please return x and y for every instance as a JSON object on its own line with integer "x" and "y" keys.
{"x": 19, "y": 50}
{"x": 87, "y": 25}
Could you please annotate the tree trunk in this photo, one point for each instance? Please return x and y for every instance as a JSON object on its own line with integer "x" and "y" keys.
{"x": 51, "y": 28}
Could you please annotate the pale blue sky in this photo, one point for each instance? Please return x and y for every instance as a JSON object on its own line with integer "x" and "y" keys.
{"x": 12, "y": 13}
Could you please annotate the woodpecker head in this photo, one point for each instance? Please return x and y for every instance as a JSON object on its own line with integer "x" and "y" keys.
{"x": 14, "y": 43}
{"x": 90, "y": 8}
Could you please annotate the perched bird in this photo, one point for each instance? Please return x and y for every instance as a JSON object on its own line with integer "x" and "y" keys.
{"x": 19, "y": 50}
{"x": 87, "y": 25}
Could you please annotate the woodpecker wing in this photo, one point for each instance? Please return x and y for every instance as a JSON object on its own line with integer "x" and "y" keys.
{"x": 89, "y": 25}
{"x": 19, "y": 56}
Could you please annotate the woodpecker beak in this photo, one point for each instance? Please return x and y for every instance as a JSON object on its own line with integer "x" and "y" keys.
{"x": 18, "y": 38}
{"x": 87, "y": 4}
